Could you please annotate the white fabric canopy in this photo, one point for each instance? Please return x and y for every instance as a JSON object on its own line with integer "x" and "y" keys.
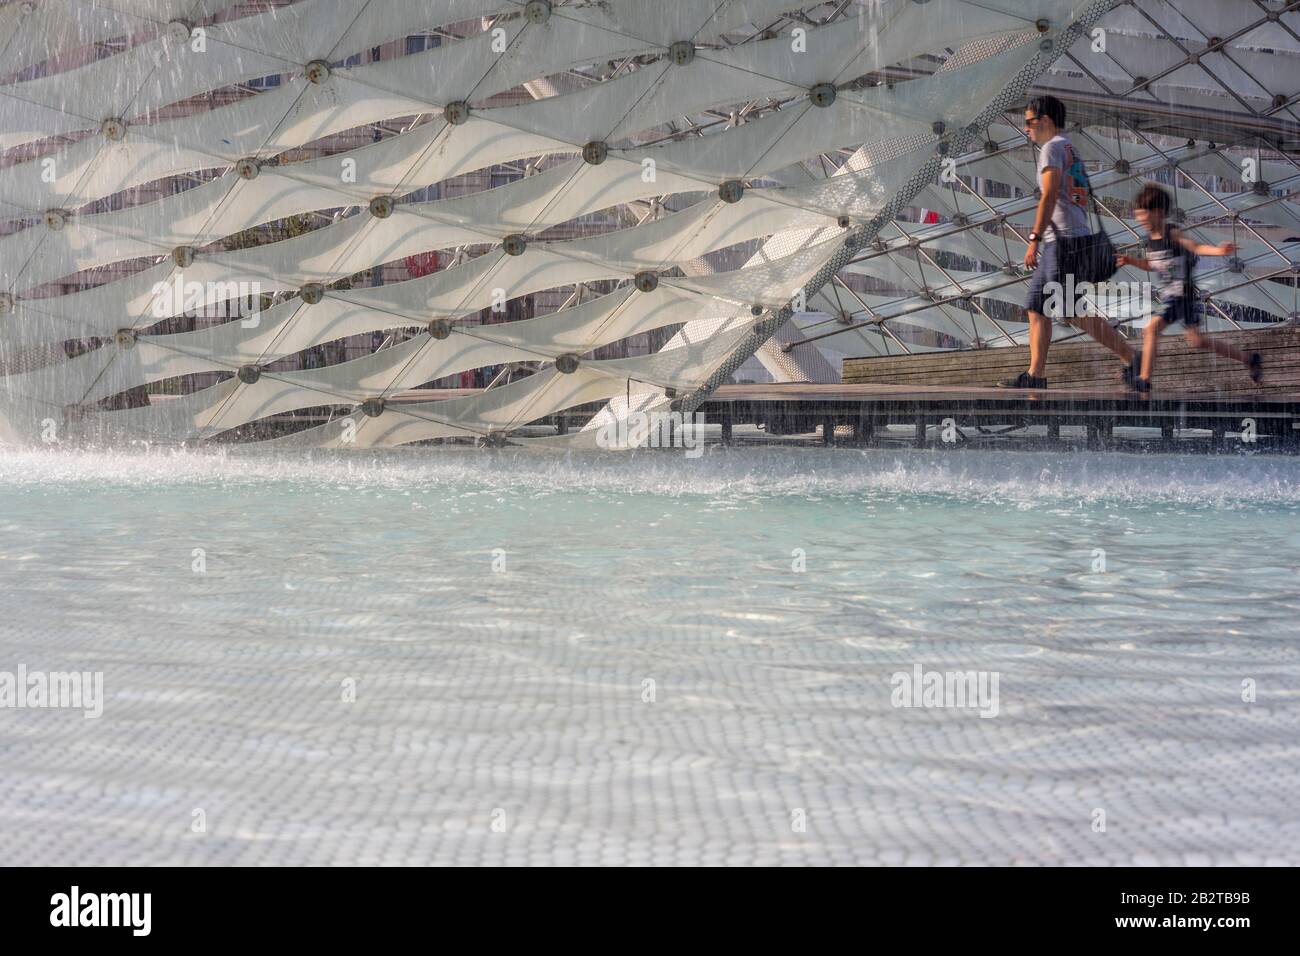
{"x": 65, "y": 265}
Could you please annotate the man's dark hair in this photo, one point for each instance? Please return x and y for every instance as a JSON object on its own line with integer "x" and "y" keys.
{"x": 1050, "y": 107}
{"x": 1152, "y": 197}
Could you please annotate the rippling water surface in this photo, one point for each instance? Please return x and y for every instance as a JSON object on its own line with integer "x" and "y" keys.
{"x": 647, "y": 658}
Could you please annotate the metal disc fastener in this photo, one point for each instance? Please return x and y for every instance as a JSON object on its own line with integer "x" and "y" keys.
{"x": 373, "y": 407}
{"x": 567, "y": 363}
{"x": 537, "y": 11}
{"x": 514, "y": 245}
{"x": 440, "y": 329}
{"x": 681, "y": 52}
{"x": 312, "y": 293}
{"x": 456, "y": 113}
{"x": 731, "y": 191}
{"x": 248, "y": 168}
{"x": 248, "y": 374}
{"x": 381, "y": 207}
{"x": 646, "y": 281}
{"x": 318, "y": 71}
{"x": 822, "y": 95}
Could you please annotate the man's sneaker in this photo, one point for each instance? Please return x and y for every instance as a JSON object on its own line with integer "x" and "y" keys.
{"x": 1133, "y": 370}
{"x": 1256, "y": 368}
{"x": 1024, "y": 380}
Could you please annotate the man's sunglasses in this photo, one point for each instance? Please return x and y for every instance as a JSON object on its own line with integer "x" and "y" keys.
{"x": 1031, "y": 120}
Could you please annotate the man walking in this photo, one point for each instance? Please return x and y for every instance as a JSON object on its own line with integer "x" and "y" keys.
{"x": 1062, "y": 213}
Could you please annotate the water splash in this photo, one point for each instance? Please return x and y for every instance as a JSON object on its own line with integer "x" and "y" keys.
{"x": 1022, "y": 478}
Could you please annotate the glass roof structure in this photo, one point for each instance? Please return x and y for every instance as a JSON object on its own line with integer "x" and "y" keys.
{"x": 1198, "y": 96}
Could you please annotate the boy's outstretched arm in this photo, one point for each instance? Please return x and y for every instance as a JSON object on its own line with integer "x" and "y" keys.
{"x": 1205, "y": 249}
{"x": 1123, "y": 259}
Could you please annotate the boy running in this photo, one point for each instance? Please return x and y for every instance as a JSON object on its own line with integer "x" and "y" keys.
{"x": 1172, "y": 256}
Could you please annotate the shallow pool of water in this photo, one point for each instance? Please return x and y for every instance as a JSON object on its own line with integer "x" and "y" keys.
{"x": 457, "y": 656}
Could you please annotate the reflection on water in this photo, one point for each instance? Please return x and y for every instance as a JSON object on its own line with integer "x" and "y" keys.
{"x": 651, "y": 658}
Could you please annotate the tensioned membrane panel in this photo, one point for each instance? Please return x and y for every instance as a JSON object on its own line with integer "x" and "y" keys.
{"x": 587, "y": 94}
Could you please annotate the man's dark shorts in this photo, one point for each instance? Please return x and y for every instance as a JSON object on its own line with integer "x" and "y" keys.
{"x": 1047, "y": 270}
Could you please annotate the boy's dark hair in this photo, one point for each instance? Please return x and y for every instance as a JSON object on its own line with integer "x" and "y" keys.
{"x": 1050, "y": 107}
{"x": 1153, "y": 197}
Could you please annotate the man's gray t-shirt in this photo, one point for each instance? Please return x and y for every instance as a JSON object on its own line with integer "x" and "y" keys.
{"x": 1068, "y": 218}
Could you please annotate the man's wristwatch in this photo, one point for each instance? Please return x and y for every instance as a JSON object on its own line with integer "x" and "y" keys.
{"x": 1034, "y": 237}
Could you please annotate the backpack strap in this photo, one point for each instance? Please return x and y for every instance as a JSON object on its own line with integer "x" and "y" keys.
{"x": 1087, "y": 182}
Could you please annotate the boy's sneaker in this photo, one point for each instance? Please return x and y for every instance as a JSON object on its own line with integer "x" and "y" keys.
{"x": 1256, "y": 368}
{"x": 1133, "y": 370}
{"x": 1024, "y": 380}
{"x": 1141, "y": 385}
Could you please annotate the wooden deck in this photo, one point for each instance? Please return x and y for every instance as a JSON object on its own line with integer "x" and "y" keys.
{"x": 1087, "y": 365}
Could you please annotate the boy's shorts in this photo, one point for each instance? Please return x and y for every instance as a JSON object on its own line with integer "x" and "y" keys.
{"x": 1047, "y": 270}
{"x": 1184, "y": 310}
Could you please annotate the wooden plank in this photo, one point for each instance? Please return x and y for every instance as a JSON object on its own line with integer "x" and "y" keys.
{"x": 1282, "y": 338}
{"x": 810, "y": 394}
{"x": 1171, "y": 347}
{"x": 1088, "y": 364}
{"x": 1221, "y": 369}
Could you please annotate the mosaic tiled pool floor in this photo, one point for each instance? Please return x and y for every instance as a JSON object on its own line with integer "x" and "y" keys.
{"x": 422, "y": 658}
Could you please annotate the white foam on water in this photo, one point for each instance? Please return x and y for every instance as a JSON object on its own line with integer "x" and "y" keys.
{"x": 1030, "y": 478}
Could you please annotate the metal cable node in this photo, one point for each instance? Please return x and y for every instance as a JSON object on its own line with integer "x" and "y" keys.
{"x": 682, "y": 52}
{"x": 317, "y": 71}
